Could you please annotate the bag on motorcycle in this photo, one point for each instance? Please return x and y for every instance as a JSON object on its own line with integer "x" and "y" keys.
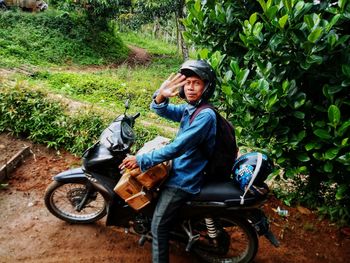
{"x": 132, "y": 192}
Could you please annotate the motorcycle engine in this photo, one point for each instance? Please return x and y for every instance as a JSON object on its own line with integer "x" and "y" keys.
{"x": 142, "y": 224}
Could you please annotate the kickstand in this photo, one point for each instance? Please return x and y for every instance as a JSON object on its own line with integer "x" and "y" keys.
{"x": 191, "y": 238}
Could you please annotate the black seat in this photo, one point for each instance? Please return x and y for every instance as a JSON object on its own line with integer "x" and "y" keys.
{"x": 226, "y": 192}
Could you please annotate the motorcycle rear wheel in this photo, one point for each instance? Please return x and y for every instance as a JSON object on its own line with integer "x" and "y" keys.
{"x": 62, "y": 200}
{"x": 237, "y": 241}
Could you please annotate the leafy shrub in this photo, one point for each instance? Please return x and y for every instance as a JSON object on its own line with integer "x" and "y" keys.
{"x": 284, "y": 70}
{"x": 31, "y": 114}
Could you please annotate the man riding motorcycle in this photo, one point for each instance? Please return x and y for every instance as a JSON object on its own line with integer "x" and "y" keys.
{"x": 195, "y": 83}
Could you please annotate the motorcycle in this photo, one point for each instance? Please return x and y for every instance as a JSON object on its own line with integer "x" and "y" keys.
{"x": 214, "y": 225}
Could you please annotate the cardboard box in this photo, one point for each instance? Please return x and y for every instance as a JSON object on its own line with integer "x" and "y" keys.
{"x": 153, "y": 176}
{"x": 132, "y": 192}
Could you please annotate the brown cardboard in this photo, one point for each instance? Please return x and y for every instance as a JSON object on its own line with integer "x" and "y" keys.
{"x": 153, "y": 176}
{"x": 132, "y": 192}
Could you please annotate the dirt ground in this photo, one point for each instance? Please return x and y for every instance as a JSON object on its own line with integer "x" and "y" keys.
{"x": 29, "y": 233}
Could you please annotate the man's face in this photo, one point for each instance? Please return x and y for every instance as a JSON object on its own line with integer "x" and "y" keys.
{"x": 194, "y": 88}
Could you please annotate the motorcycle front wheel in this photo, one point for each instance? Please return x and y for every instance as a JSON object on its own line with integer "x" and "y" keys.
{"x": 236, "y": 241}
{"x": 75, "y": 202}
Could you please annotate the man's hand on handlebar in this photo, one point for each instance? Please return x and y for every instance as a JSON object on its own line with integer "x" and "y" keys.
{"x": 129, "y": 162}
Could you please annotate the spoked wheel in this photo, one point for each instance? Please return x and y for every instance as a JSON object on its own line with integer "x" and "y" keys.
{"x": 236, "y": 241}
{"x": 75, "y": 202}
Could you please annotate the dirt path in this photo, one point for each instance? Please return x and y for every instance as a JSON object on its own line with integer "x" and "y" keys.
{"x": 29, "y": 233}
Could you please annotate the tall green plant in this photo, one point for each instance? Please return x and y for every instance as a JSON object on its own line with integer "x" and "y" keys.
{"x": 284, "y": 70}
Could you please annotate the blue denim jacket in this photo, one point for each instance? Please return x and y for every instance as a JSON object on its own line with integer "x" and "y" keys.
{"x": 188, "y": 158}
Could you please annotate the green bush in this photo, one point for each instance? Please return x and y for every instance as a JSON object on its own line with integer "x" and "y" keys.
{"x": 54, "y": 37}
{"x": 31, "y": 114}
{"x": 284, "y": 70}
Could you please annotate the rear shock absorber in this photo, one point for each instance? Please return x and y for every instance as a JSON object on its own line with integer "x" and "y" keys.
{"x": 212, "y": 232}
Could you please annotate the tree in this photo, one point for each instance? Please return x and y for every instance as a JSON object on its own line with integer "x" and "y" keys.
{"x": 99, "y": 12}
{"x": 159, "y": 12}
{"x": 284, "y": 70}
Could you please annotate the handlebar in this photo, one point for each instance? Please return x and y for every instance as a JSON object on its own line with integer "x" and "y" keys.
{"x": 136, "y": 116}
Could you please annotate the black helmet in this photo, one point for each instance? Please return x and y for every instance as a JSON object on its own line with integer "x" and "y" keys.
{"x": 247, "y": 165}
{"x": 204, "y": 71}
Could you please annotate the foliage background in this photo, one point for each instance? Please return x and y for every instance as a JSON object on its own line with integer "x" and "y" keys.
{"x": 284, "y": 70}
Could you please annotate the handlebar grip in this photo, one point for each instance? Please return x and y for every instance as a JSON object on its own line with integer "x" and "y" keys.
{"x": 136, "y": 115}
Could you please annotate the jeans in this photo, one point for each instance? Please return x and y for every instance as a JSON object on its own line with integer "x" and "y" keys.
{"x": 170, "y": 200}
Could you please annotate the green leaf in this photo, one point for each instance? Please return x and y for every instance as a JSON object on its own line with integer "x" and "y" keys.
{"x": 334, "y": 114}
{"x": 310, "y": 146}
{"x": 320, "y": 124}
{"x": 344, "y": 142}
{"x": 328, "y": 167}
{"x": 242, "y": 76}
{"x": 227, "y": 90}
{"x": 234, "y": 66}
{"x": 343, "y": 128}
{"x": 309, "y": 21}
{"x": 330, "y": 154}
{"x": 271, "y": 12}
{"x": 252, "y": 18}
{"x": 203, "y": 53}
{"x": 272, "y": 101}
{"x": 197, "y": 5}
{"x": 275, "y": 41}
{"x": 345, "y": 83}
{"x": 300, "y": 100}
{"x": 333, "y": 22}
{"x": 314, "y": 59}
{"x": 341, "y": 4}
{"x": 228, "y": 75}
{"x": 332, "y": 39}
{"x": 281, "y": 160}
{"x": 344, "y": 159}
{"x": 288, "y": 4}
{"x": 334, "y": 89}
{"x": 323, "y": 134}
{"x": 282, "y": 21}
{"x": 341, "y": 192}
{"x": 299, "y": 115}
{"x": 301, "y": 135}
{"x": 315, "y": 35}
{"x": 263, "y": 84}
{"x": 303, "y": 157}
{"x": 263, "y": 5}
{"x": 346, "y": 70}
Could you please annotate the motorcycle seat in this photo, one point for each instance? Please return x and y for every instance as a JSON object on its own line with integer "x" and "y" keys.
{"x": 227, "y": 193}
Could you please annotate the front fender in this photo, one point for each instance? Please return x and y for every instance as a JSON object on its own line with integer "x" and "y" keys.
{"x": 76, "y": 175}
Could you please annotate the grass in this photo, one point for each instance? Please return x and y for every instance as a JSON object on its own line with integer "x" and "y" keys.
{"x": 56, "y": 38}
{"x": 153, "y": 46}
{"x": 63, "y": 54}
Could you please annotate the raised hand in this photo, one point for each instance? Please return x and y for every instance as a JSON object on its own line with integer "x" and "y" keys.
{"x": 170, "y": 87}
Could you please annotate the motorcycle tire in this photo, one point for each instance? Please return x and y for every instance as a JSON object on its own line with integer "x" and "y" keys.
{"x": 62, "y": 200}
{"x": 236, "y": 241}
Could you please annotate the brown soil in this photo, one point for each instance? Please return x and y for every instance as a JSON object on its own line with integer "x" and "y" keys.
{"x": 29, "y": 233}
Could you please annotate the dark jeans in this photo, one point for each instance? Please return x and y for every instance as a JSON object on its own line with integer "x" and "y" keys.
{"x": 170, "y": 200}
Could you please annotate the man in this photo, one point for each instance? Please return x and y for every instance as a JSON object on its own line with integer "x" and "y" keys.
{"x": 195, "y": 83}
